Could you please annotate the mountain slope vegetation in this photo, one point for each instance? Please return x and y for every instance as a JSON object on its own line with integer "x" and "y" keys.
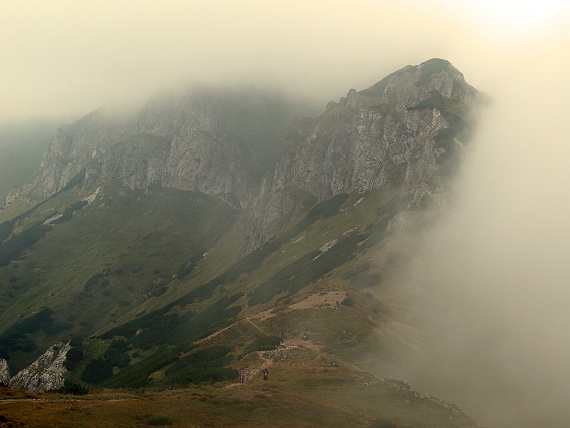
{"x": 296, "y": 254}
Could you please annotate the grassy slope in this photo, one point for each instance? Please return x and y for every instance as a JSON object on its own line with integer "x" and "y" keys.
{"x": 110, "y": 258}
{"x": 136, "y": 256}
{"x": 108, "y": 275}
{"x": 303, "y": 390}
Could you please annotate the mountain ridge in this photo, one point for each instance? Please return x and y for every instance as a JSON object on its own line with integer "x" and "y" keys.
{"x": 155, "y": 232}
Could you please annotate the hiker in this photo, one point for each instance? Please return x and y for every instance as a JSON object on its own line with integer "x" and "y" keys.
{"x": 265, "y": 375}
{"x": 242, "y": 375}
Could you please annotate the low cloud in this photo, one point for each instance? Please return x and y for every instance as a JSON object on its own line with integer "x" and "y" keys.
{"x": 68, "y": 58}
{"x": 500, "y": 271}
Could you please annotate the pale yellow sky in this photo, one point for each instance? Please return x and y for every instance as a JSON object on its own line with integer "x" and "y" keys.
{"x": 506, "y": 243}
{"x": 65, "y": 58}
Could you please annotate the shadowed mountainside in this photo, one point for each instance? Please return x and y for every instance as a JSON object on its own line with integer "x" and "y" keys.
{"x": 170, "y": 248}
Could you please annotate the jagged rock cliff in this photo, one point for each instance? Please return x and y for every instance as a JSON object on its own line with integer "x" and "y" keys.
{"x": 402, "y": 134}
{"x": 219, "y": 142}
{"x": 4, "y": 372}
{"x": 44, "y": 374}
{"x": 400, "y": 131}
{"x": 405, "y": 130}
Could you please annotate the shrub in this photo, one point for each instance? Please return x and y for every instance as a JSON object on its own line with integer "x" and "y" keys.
{"x": 136, "y": 375}
{"x": 265, "y": 343}
{"x": 364, "y": 267}
{"x": 329, "y": 207}
{"x": 301, "y": 272}
{"x": 117, "y": 353}
{"x": 16, "y": 337}
{"x": 97, "y": 371}
{"x": 68, "y": 213}
{"x": 158, "y": 333}
{"x": 253, "y": 260}
{"x": 158, "y": 420}
{"x": 75, "y": 354}
{"x": 208, "y": 357}
{"x": 13, "y": 248}
{"x": 366, "y": 280}
{"x": 92, "y": 281}
{"x": 383, "y": 423}
{"x": 158, "y": 290}
{"x": 73, "y": 389}
{"x": 6, "y": 229}
{"x": 205, "y": 365}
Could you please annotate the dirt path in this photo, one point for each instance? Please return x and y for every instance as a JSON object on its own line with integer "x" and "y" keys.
{"x": 255, "y": 325}
{"x": 316, "y": 300}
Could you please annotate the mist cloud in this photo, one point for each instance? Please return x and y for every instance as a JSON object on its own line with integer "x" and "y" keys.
{"x": 500, "y": 260}
{"x": 501, "y": 268}
{"x": 69, "y": 57}
{"x": 66, "y": 58}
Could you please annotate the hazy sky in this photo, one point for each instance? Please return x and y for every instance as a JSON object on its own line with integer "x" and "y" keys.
{"x": 500, "y": 260}
{"x": 65, "y": 58}
{"x": 505, "y": 249}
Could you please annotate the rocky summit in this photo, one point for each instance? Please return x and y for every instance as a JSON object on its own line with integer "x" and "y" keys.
{"x": 400, "y": 131}
{"x": 216, "y": 229}
{"x": 44, "y": 374}
{"x": 215, "y": 141}
{"x": 224, "y": 143}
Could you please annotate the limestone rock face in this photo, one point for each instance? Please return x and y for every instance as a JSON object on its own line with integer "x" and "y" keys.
{"x": 404, "y": 131}
{"x": 212, "y": 141}
{"x": 44, "y": 374}
{"x": 398, "y": 132}
{"x": 4, "y": 372}
{"x": 76, "y": 148}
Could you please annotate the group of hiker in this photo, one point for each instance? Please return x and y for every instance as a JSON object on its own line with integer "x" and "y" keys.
{"x": 242, "y": 375}
{"x": 242, "y": 372}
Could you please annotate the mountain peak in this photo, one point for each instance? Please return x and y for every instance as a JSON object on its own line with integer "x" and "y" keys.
{"x": 175, "y": 249}
{"x": 402, "y": 131}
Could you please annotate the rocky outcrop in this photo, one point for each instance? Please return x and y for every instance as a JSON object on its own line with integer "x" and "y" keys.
{"x": 403, "y": 131}
{"x": 218, "y": 142}
{"x": 78, "y": 149}
{"x": 399, "y": 132}
{"x": 44, "y": 374}
{"x": 4, "y": 372}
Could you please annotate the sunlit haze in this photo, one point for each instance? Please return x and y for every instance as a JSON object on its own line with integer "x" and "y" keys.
{"x": 66, "y": 58}
{"x": 512, "y": 18}
{"x": 503, "y": 247}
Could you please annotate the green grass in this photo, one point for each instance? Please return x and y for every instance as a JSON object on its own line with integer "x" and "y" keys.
{"x": 306, "y": 382}
{"x": 168, "y": 325}
{"x": 106, "y": 259}
{"x": 302, "y": 392}
{"x": 146, "y": 334}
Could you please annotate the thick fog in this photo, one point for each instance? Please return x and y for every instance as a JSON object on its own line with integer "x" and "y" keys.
{"x": 499, "y": 265}
{"x": 66, "y": 58}
{"x": 500, "y": 276}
